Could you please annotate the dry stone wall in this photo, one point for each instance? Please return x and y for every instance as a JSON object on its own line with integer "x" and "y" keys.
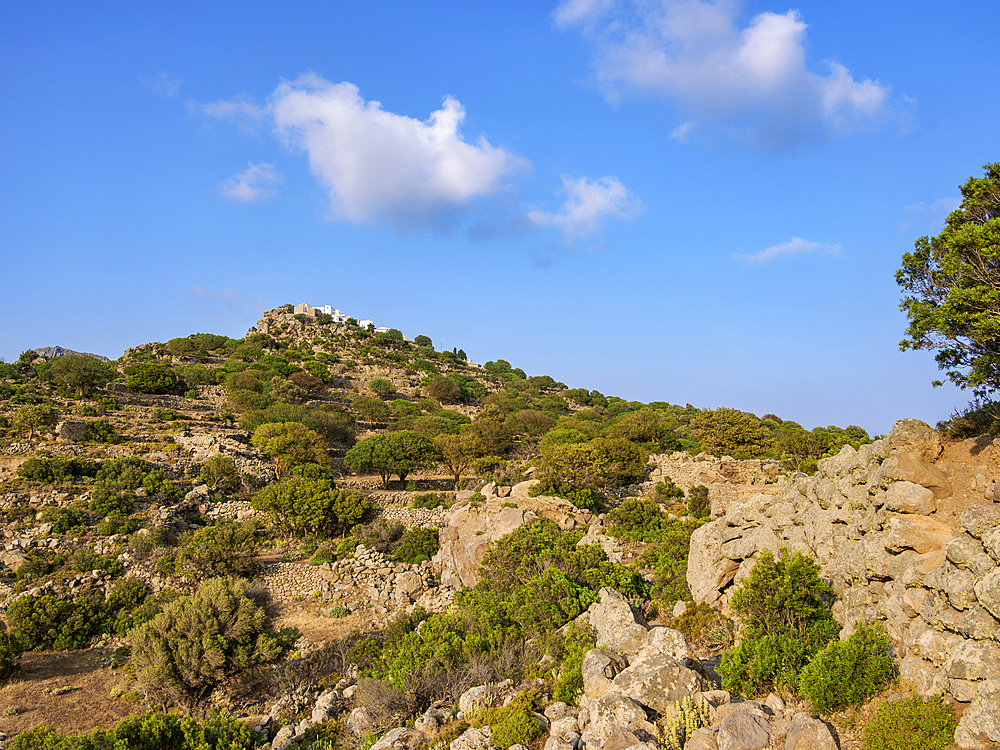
{"x": 882, "y": 525}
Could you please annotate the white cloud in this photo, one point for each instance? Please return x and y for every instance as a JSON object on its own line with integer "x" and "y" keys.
{"x": 165, "y": 84}
{"x": 377, "y": 164}
{"x": 795, "y": 246}
{"x": 257, "y": 183}
{"x": 921, "y": 213}
{"x": 589, "y": 203}
{"x": 752, "y": 81}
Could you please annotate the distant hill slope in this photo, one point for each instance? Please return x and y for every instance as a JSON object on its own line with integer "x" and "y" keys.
{"x": 51, "y": 352}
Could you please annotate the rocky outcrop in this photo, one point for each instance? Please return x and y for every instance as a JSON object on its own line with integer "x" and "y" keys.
{"x": 472, "y": 527}
{"x": 873, "y": 520}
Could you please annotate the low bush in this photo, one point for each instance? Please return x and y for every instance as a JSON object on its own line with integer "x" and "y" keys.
{"x": 417, "y": 545}
{"x": 56, "y": 469}
{"x": 101, "y": 431}
{"x": 569, "y": 649}
{"x": 63, "y": 519}
{"x": 150, "y": 731}
{"x": 786, "y": 621}
{"x": 45, "y": 622}
{"x": 10, "y": 654}
{"x": 323, "y": 555}
{"x": 911, "y": 724}
{"x": 149, "y": 377}
{"x": 224, "y": 549}
{"x": 850, "y": 672}
{"x": 202, "y": 641}
{"x": 221, "y": 474}
{"x": 512, "y": 724}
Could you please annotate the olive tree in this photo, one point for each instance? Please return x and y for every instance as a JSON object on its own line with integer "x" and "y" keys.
{"x": 290, "y": 444}
{"x": 400, "y": 453}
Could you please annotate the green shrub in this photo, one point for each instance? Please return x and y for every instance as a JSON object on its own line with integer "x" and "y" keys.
{"x": 46, "y": 622}
{"x": 221, "y": 474}
{"x": 149, "y": 377}
{"x": 150, "y": 731}
{"x": 56, "y": 469}
{"x": 116, "y": 523}
{"x": 10, "y": 654}
{"x": 63, "y": 519}
{"x": 699, "y": 505}
{"x": 785, "y": 622}
{"x": 101, "y": 431}
{"x": 126, "y": 473}
{"x": 105, "y": 500}
{"x": 202, "y": 641}
{"x": 323, "y": 555}
{"x": 911, "y": 724}
{"x": 850, "y": 672}
{"x": 512, "y": 724}
{"x": 430, "y": 500}
{"x": 314, "y": 506}
{"x": 225, "y": 549}
{"x": 570, "y": 650}
{"x": 417, "y": 544}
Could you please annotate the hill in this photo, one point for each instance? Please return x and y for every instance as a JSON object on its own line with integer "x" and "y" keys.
{"x": 431, "y": 527}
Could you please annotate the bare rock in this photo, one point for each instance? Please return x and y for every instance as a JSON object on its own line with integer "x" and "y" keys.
{"x": 907, "y": 497}
{"x": 658, "y": 681}
{"x": 979, "y": 728}
{"x": 919, "y": 533}
{"x": 615, "y": 713}
{"x": 967, "y": 552}
{"x": 978, "y": 519}
{"x": 743, "y": 730}
{"x": 473, "y": 739}
{"x": 619, "y": 627}
{"x": 71, "y": 432}
{"x": 807, "y": 733}
{"x": 988, "y": 592}
{"x": 402, "y": 738}
{"x": 599, "y": 668}
{"x": 702, "y": 739}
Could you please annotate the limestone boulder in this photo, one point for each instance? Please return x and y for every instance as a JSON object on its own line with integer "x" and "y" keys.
{"x": 619, "y": 627}
{"x": 615, "y": 713}
{"x": 979, "y": 727}
{"x": 71, "y": 432}
{"x": 599, "y": 668}
{"x": 967, "y": 552}
{"x": 658, "y": 681}
{"x": 402, "y": 738}
{"x": 907, "y": 497}
{"x": 702, "y": 739}
{"x": 708, "y": 570}
{"x": 987, "y": 591}
{"x": 661, "y": 640}
{"x": 742, "y": 730}
{"x": 915, "y": 436}
{"x": 978, "y": 519}
{"x": 475, "y": 738}
{"x": 922, "y": 534}
{"x": 807, "y": 733}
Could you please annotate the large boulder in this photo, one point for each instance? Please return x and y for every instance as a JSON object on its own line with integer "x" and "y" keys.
{"x": 919, "y": 533}
{"x": 657, "y": 682}
{"x": 907, "y": 497}
{"x": 807, "y": 733}
{"x": 403, "y": 738}
{"x": 744, "y": 730}
{"x": 619, "y": 627}
{"x": 612, "y": 714}
{"x": 599, "y": 668}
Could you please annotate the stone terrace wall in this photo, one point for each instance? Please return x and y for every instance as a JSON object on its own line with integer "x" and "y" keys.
{"x": 895, "y": 551}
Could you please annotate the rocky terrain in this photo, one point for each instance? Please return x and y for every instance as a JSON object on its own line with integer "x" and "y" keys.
{"x": 905, "y": 529}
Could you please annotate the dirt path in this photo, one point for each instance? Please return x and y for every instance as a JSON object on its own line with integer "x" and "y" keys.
{"x": 69, "y": 689}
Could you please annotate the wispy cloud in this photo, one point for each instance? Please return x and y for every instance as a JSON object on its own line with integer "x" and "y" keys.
{"x": 258, "y": 183}
{"x": 227, "y": 298}
{"x": 924, "y": 214}
{"x": 165, "y": 84}
{"x": 752, "y": 82}
{"x": 589, "y": 203}
{"x": 795, "y": 246}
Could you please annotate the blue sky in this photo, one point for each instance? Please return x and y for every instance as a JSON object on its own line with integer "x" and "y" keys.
{"x": 692, "y": 202}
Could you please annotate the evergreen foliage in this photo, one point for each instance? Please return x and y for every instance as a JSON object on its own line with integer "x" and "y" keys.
{"x": 202, "y": 641}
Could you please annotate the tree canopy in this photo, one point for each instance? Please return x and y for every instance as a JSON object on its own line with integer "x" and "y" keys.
{"x": 952, "y": 289}
{"x": 399, "y": 453}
